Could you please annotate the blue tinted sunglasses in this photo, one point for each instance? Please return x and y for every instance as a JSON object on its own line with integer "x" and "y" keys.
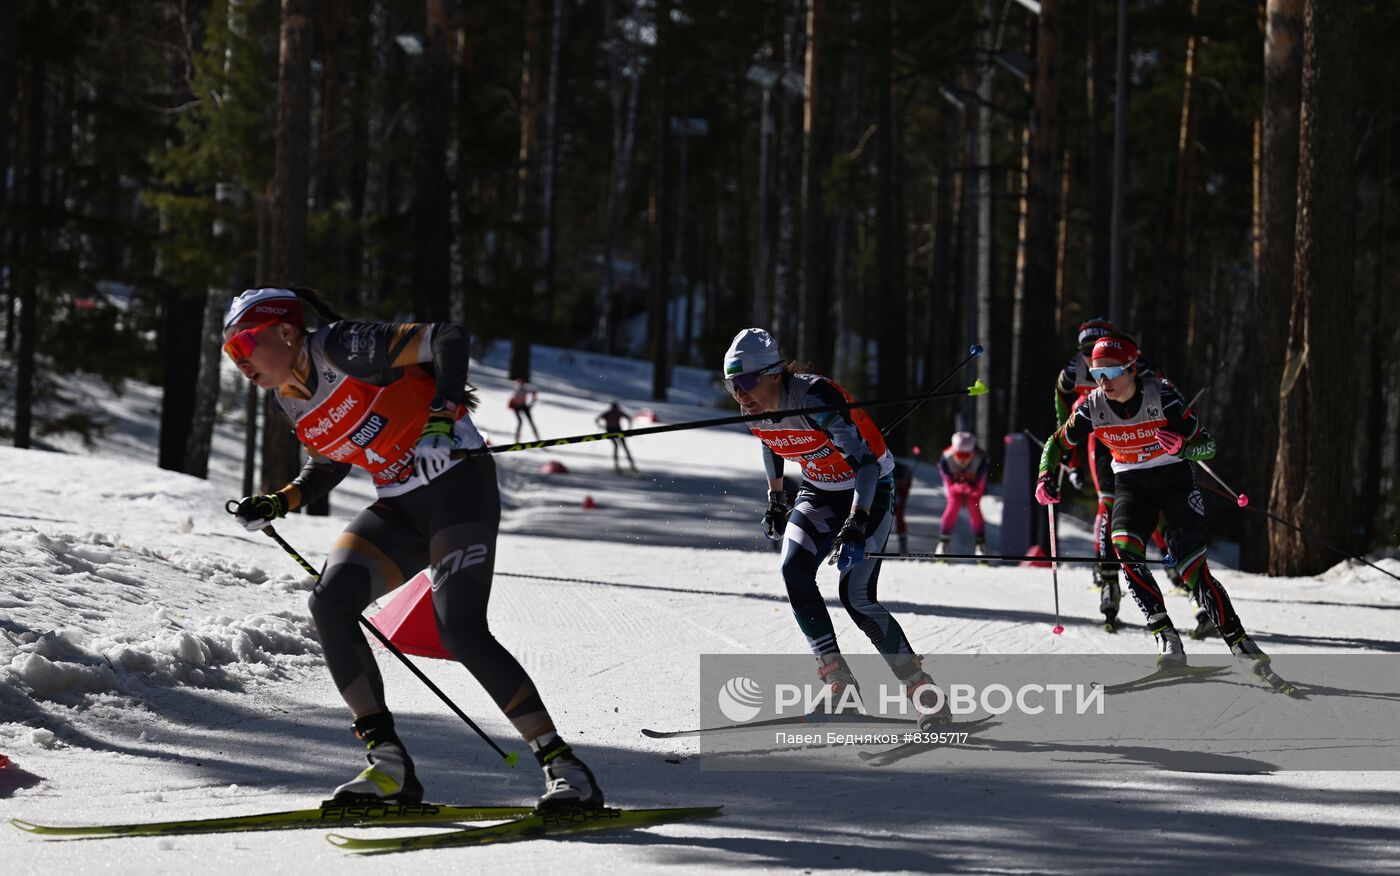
{"x": 1112, "y": 372}
{"x": 747, "y": 382}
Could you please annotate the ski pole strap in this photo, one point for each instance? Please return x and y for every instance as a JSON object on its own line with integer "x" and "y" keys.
{"x": 977, "y": 388}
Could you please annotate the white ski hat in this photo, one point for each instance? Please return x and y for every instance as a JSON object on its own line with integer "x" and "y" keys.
{"x": 265, "y": 305}
{"x": 964, "y": 442}
{"x": 752, "y": 350}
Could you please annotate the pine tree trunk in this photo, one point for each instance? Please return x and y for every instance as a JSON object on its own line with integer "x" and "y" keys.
{"x": 432, "y": 225}
{"x": 280, "y": 452}
{"x": 1312, "y": 476}
{"x": 1096, "y": 80}
{"x": 1278, "y": 203}
{"x": 1038, "y": 347}
{"x": 523, "y": 297}
{"x": 658, "y": 316}
{"x": 36, "y": 125}
{"x": 1170, "y": 342}
{"x": 9, "y": 25}
{"x": 981, "y": 252}
{"x": 1378, "y": 346}
{"x": 206, "y": 396}
{"x": 814, "y": 318}
{"x": 785, "y": 263}
{"x": 181, "y": 331}
{"x": 889, "y": 264}
{"x": 549, "y": 229}
{"x": 362, "y": 69}
{"x": 623, "y": 95}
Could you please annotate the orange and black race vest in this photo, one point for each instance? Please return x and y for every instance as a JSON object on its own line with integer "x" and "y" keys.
{"x": 354, "y": 421}
{"x": 823, "y": 463}
{"x": 1132, "y": 440}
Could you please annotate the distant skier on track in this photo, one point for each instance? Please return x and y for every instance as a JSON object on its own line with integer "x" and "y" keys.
{"x": 390, "y": 398}
{"x": 611, "y": 421}
{"x": 963, "y": 467}
{"x": 845, "y": 503}
{"x": 522, "y": 400}
{"x": 1143, "y": 423}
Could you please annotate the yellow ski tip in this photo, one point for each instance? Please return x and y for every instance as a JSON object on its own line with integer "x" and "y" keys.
{"x": 336, "y": 839}
{"x": 24, "y": 825}
{"x": 513, "y": 758}
{"x": 977, "y": 388}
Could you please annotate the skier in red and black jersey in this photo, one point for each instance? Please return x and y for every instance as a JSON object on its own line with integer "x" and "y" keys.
{"x": 390, "y": 398}
{"x": 845, "y": 503}
{"x": 1072, "y": 385}
{"x": 1143, "y": 423}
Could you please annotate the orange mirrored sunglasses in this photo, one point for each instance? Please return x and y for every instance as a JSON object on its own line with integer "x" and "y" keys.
{"x": 241, "y": 345}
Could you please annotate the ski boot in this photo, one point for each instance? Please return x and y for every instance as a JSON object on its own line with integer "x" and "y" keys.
{"x": 389, "y": 776}
{"x": 1243, "y": 647}
{"x": 1175, "y": 575}
{"x": 979, "y": 548}
{"x": 1110, "y": 594}
{"x": 1205, "y": 628}
{"x": 845, "y": 693}
{"x": 920, "y": 688}
{"x": 942, "y": 547}
{"x": 1171, "y": 654}
{"x": 568, "y": 782}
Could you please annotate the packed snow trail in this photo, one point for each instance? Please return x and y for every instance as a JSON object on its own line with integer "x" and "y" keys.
{"x": 157, "y": 662}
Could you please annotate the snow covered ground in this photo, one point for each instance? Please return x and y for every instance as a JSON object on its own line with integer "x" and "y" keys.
{"x": 157, "y": 662}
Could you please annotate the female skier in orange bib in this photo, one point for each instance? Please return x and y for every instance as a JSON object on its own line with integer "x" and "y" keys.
{"x": 390, "y": 398}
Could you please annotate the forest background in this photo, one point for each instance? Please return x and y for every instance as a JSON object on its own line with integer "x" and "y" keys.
{"x": 881, "y": 183}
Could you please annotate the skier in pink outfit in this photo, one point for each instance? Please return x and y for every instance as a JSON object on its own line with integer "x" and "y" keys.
{"x": 963, "y": 468}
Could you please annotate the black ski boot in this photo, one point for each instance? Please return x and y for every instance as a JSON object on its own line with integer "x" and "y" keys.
{"x": 1110, "y": 594}
{"x": 1205, "y": 627}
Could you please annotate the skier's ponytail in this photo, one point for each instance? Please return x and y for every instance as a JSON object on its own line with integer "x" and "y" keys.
{"x": 307, "y": 294}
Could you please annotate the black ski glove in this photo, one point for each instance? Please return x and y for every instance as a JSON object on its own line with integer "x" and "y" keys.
{"x": 776, "y": 517}
{"x": 850, "y": 541}
{"x": 256, "y": 512}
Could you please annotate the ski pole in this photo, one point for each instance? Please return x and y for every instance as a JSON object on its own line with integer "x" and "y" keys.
{"x": 509, "y": 757}
{"x": 1243, "y": 500}
{"x": 1054, "y": 565}
{"x": 1064, "y": 469}
{"x": 1240, "y": 498}
{"x": 977, "y": 388}
{"x": 972, "y": 353}
{"x": 1186, "y": 411}
{"x": 1167, "y": 561}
